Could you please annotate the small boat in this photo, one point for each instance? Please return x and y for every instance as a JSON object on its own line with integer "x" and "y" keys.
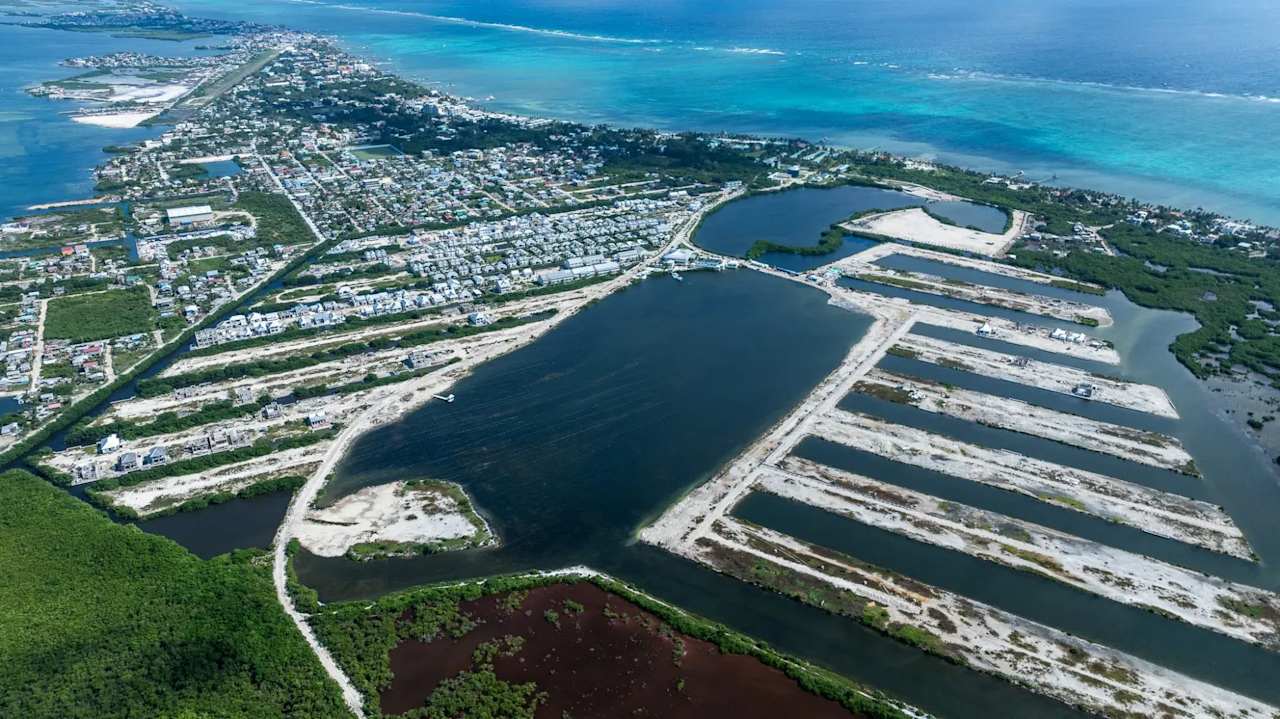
{"x": 444, "y": 398}
{"x": 676, "y": 276}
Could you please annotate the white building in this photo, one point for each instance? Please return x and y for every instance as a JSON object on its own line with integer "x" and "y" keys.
{"x": 109, "y": 444}
{"x": 189, "y": 216}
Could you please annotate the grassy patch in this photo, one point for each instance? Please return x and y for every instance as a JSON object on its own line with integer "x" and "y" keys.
{"x": 278, "y": 221}
{"x": 896, "y": 395}
{"x": 96, "y": 316}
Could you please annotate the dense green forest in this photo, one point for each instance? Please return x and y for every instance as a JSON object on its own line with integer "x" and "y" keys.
{"x": 1217, "y": 285}
{"x": 109, "y": 621}
{"x": 830, "y": 241}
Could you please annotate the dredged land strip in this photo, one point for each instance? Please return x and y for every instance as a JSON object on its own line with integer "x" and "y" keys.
{"x": 1103, "y": 680}
{"x": 1042, "y": 375}
{"x": 1065, "y": 310}
{"x": 1159, "y": 513}
{"x": 1072, "y": 344}
{"x": 886, "y": 249}
{"x": 1236, "y": 610}
{"x": 1150, "y": 448}
{"x": 1077, "y": 345}
{"x": 1096, "y": 678}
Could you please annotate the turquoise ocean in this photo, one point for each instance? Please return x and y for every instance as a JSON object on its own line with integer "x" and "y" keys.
{"x": 1172, "y": 101}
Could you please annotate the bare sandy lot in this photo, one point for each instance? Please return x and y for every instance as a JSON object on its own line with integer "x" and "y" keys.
{"x": 915, "y": 225}
{"x": 399, "y": 513}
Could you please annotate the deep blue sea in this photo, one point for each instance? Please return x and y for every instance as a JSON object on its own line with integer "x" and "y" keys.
{"x": 1175, "y": 101}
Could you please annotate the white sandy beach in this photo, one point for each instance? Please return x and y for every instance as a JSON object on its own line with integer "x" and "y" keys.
{"x": 117, "y": 120}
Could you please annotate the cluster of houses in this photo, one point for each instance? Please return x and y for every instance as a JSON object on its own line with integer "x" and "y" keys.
{"x": 263, "y": 324}
{"x": 87, "y": 359}
{"x": 1059, "y": 334}
{"x": 215, "y": 440}
{"x": 511, "y": 254}
{"x": 17, "y": 352}
{"x": 155, "y": 248}
{"x": 194, "y": 294}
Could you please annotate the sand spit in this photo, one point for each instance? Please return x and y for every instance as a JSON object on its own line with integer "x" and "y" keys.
{"x": 1150, "y": 448}
{"x": 1065, "y": 310}
{"x": 1238, "y": 611}
{"x": 1160, "y": 513}
{"x": 1042, "y": 375}
{"x": 1081, "y": 673}
{"x": 115, "y": 120}
{"x": 1070, "y": 344}
{"x": 886, "y": 249}
{"x": 406, "y": 516}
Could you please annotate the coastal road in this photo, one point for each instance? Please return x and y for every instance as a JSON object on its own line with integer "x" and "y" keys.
{"x": 298, "y": 508}
{"x": 38, "y": 348}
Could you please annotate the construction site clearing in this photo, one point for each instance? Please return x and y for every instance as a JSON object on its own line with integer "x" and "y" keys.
{"x": 1065, "y": 310}
{"x": 1041, "y": 375}
{"x": 702, "y": 526}
{"x": 1150, "y": 448}
{"x": 395, "y": 519}
{"x": 917, "y": 226}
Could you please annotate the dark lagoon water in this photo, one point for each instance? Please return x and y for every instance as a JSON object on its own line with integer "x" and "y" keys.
{"x": 797, "y": 218}
{"x": 970, "y": 214}
{"x": 221, "y": 528}
{"x": 572, "y": 444}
